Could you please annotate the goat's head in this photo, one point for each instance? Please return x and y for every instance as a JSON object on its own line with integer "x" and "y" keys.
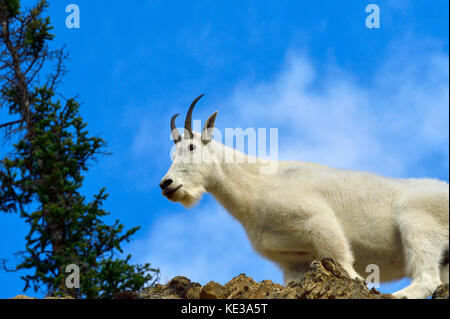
{"x": 192, "y": 161}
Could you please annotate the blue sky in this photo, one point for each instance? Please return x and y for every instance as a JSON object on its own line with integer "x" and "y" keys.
{"x": 340, "y": 94}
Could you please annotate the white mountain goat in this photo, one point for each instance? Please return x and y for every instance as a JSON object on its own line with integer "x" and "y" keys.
{"x": 307, "y": 211}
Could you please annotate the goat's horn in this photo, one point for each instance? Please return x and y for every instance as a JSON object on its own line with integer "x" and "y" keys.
{"x": 188, "y": 122}
{"x": 175, "y": 134}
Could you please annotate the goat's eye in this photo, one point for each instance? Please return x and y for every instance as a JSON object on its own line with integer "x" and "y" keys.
{"x": 191, "y": 147}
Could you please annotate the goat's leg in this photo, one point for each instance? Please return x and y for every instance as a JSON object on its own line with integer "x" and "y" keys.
{"x": 328, "y": 241}
{"x": 423, "y": 245}
{"x": 444, "y": 274}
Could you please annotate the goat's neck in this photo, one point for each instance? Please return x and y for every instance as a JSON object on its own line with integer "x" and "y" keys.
{"x": 233, "y": 184}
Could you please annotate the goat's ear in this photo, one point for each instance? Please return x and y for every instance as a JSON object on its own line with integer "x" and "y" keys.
{"x": 209, "y": 128}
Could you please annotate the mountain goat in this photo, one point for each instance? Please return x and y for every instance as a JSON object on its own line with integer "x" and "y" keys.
{"x": 306, "y": 211}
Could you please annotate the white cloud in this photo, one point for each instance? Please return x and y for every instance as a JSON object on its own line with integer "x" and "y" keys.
{"x": 387, "y": 126}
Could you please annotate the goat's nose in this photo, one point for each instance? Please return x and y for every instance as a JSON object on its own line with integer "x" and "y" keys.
{"x": 165, "y": 183}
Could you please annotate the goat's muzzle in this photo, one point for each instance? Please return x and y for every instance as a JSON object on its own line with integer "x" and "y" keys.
{"x": 167, "y": 191}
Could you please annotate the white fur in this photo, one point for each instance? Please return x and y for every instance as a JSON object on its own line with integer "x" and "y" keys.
{"x": 305, "y": 211}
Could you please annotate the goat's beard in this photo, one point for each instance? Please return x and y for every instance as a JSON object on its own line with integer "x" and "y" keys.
{"x": 192, "y": 196}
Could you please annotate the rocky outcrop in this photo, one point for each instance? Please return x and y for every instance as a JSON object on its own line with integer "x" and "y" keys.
{"x": 324, "y": 280}
{"x": 441, "y": 292}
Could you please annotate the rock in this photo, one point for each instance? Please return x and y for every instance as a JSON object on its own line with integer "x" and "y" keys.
{"x": 324, "y": 280}
{"x": 180, "y": 285}
{"x": 193, "y": 293}
{"x": 213, "y": 290}
{"x": 239, "y": 287}
{"x": 328, "y": 280}
{"x": 23, "y": 297}
{"x": 26, "y": 297}
{"x": 177, "y": 288}
{"x": 243, "y": 287}
{"x": 126, "y": 294}
{"x": 441, "y": 292}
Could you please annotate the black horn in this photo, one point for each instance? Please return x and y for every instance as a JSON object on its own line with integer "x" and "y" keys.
{"x": 175, "y": 134}
{"x": 188, "y": 122}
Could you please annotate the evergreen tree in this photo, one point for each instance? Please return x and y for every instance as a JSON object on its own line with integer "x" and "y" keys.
{"x": 40, "y": 179}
